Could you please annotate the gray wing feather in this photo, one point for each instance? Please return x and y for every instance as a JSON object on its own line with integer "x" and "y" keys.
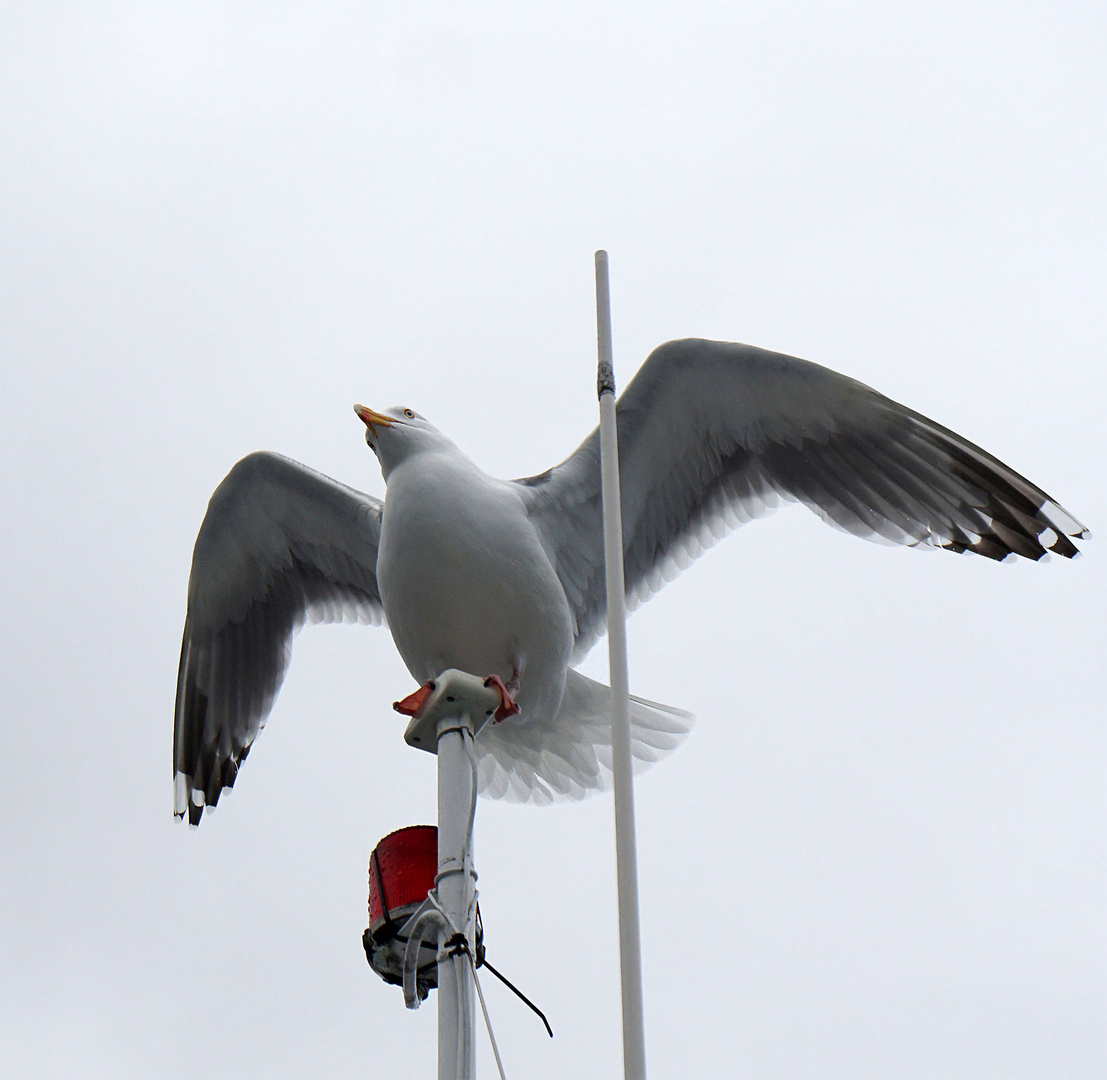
{"x": 280, "y": 544}
{"x": 713, "y": 434}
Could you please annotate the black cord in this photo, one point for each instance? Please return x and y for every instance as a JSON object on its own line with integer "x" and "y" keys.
{"x": 375, "y": 869}
{"x": 482, "y": 961}
{"x": 519, "y": 994}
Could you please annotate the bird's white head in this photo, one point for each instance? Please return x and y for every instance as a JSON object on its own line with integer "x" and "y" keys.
{"x": 397, "y": 433}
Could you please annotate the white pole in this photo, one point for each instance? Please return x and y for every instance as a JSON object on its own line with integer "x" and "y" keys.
{"x": 626, "y": 854}
{"x": 447, "y": 723}
{"x": 456, "y": 885}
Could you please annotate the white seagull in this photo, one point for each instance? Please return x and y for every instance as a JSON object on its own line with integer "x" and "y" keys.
{"x": 505, "y": 578}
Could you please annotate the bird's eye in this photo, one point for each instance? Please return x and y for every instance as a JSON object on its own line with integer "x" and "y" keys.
{"x": 409, "y": 414}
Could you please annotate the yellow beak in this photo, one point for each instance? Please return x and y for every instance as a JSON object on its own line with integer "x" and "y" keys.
{"x": 369, "y": 417}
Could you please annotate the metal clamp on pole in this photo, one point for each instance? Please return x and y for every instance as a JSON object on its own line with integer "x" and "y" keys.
{"x": 459, "y": 706}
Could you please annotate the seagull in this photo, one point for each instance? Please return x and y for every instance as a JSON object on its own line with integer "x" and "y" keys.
{"x": 505, "y": 578}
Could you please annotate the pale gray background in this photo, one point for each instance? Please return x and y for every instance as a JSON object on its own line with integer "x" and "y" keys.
{"x": 881, "y": 853}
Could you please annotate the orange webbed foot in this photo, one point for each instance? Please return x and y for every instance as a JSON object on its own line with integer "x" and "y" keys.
{"x": 412, "y": 705}
{"x": 507, "y": 704}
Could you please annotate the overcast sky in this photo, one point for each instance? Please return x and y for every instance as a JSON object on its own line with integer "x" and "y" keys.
{"x": 882, "y": 851}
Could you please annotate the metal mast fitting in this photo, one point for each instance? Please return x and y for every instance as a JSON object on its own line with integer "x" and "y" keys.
{"x": 459, "y": 706}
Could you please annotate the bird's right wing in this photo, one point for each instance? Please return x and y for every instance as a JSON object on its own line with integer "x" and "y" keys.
{"x": 280, "y": 543}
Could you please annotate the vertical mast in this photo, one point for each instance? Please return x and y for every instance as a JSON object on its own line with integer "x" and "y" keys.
{"x": 626, "y": 855}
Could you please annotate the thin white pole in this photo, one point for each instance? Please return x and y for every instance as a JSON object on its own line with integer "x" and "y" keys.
{"x": 626, "y": 854}
{"x": 446, "y": 723}
{"x": 455, "y": 885}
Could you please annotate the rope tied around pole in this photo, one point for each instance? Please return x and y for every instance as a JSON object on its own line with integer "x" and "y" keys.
{"x": 458, "y": 943}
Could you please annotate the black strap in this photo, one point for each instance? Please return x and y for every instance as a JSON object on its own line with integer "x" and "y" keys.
{"x": 482, "y": 961}
{"x": 519, "y": 994}
{"x": 374, "y": 868}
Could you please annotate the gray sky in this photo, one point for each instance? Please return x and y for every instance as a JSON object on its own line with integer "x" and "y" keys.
{"x": 881, "y": 852}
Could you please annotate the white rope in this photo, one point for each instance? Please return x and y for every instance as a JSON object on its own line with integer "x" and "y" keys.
{"x": 416, "y": 928}
{"x": 433, "y": 901}
{"x": 484, "y": 1009}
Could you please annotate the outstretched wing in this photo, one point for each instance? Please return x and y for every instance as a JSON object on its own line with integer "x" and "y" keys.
{"x": 713, "y": 434}
{"x": 280, "y": 543}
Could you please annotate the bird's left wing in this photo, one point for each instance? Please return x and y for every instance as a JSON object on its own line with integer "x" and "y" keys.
{"x": 280, "y": 543}
{"x": 713, "y": 434}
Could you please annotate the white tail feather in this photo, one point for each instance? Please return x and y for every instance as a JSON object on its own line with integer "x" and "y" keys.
{"x": 571, "y": 758}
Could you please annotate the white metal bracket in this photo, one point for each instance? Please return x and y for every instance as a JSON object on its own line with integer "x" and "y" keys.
{"x": 455, "y": 694}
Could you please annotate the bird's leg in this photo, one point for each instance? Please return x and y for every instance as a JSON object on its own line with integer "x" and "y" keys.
{"x": 507, "y": 703}
{"x": 413, "y": 703}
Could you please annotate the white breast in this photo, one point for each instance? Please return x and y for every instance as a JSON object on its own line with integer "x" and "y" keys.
{"x": 465, "y": 582}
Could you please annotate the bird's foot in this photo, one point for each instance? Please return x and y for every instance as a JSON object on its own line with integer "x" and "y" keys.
{"x": 507, "y": 703}
{"x": 413, "y": 704}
